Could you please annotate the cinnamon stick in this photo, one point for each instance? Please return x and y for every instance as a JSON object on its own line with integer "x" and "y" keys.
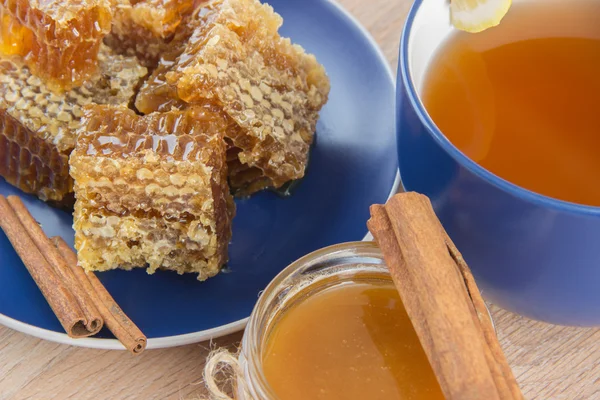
{"x": 115, "y": 319}
{"x": 442, "y": 301}
{"x": 502, "y": 373}
{"x": 73, "y": 308}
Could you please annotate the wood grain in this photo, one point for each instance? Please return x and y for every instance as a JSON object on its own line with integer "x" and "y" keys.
{"x": 550, "y": 362}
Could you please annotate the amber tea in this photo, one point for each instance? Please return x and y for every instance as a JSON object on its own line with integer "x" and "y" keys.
{"x": 523, "y": 99}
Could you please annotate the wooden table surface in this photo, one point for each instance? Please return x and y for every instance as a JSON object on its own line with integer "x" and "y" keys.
{"x": 550, "y": 362}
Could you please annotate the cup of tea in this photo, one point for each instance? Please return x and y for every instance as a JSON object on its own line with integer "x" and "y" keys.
{"x": 501, "y": 129}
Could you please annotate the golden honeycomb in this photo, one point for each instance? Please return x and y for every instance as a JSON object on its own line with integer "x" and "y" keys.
{"x": 58, "y": 40}
{"x": 149, "y": 28}
{"x": 39, "y": 125}
{"x": 152, "y": 190}
{"x": 43, "y": 169}
{"x": 270, "y": 88}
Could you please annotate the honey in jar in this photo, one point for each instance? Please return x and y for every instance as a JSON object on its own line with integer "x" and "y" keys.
{"x": 352, "y": 340}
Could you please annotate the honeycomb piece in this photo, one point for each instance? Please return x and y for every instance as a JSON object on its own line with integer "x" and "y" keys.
{"x": 149, "y": 28}
{"x": 59, "y": 40}
{"x": 152, "y": 190}
{"x": 39, "y": 125}
{"x": 31, "y": 163}
{"x": 271, "y": 89}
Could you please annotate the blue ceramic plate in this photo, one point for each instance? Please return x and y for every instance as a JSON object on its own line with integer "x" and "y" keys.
{"x": 353, "y": 165}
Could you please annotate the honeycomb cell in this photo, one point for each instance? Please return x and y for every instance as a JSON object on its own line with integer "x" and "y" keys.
{"x": 152, "y": 191}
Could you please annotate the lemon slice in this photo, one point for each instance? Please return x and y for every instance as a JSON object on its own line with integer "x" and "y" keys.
{"x": 477, "y": 15}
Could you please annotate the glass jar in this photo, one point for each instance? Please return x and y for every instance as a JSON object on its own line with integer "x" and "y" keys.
{"x": 344, "y": 263}
{"x": 348, "y": 262}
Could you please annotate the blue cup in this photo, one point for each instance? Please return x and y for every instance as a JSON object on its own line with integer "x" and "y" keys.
{"x": 530, "y": 254}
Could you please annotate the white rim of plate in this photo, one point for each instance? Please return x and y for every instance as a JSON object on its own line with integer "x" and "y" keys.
{"x": 208, "y": 334}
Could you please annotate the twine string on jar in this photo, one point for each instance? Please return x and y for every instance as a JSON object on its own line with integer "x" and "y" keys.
{"x": 222, "y": 374}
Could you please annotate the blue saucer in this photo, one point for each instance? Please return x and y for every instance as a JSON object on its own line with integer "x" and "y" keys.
{"x": 353, "y": 165}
